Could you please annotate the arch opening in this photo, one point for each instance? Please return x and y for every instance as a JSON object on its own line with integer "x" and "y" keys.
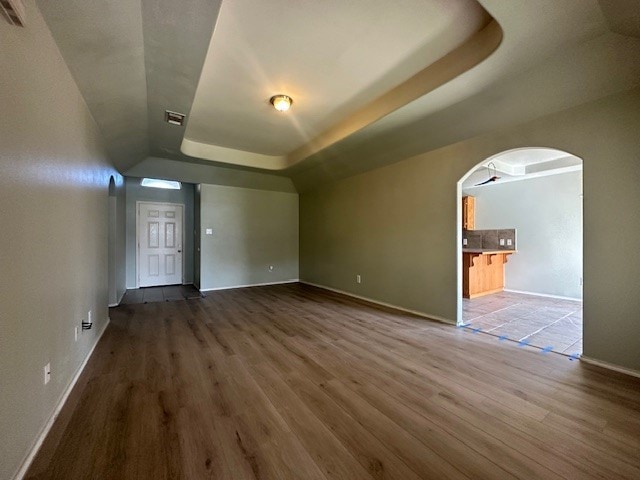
{"x": 519, "y": 249}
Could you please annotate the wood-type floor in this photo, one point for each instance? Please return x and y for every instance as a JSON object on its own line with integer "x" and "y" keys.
{"x": 294, "y": 382}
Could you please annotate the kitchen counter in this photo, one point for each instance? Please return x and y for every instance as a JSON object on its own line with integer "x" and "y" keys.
{"x": 483, "y": 271}
{"x": 484, "y": 251}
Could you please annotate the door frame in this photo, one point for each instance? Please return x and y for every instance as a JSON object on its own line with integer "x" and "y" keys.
{"x": 140, "y": 202}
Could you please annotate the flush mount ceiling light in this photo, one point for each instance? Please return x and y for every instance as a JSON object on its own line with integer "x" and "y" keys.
{"x": 282, "y": 103}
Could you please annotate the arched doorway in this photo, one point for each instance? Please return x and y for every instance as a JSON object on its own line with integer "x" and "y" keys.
{"x": 520, "y": 249}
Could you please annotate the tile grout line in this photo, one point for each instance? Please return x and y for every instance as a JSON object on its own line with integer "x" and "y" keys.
{"x": 545, "y": 327}
{"x": 490, "y": 313}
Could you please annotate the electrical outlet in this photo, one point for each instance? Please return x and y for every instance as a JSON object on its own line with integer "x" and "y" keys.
{"x": 358, "y": 279}
{"x": 464, "y": 241}
{"x": 47, "y": 373}
{"x": 271, "y": 268}
{"x": 509, "y": 242}
{"x": 75, "y": 333}
{"x": 502, "y": 242}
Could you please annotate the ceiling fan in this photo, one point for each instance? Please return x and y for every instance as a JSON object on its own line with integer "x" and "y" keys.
{"x": 492, "y": 170}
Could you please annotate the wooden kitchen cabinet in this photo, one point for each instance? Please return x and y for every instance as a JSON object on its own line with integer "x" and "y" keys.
{"x": 468, "y": 213}
{"x": 483, "y": 271}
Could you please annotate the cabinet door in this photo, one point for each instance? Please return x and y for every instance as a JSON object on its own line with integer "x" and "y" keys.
{"x": 468, "y": 213}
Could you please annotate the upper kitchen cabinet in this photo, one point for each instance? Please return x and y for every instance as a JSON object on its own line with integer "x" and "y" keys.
{"x": 468, "y": 213}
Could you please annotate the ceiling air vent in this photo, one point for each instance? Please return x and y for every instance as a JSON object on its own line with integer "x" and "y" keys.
{"x": 174, "y": 118}
{"x": 14, "y": 11}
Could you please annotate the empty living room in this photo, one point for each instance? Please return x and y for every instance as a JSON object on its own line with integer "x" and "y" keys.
{"x": 276, "y": 239}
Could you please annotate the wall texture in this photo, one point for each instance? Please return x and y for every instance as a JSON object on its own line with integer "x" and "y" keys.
{"x": 136, "y": 193}
{"x": 210, "y": 173}
{"x": 252, "y": 229}
{"x": 54, "y": 178}
{"x": 117, "y": 242}
{"x": 547, "y": 213}
{"x": 397, "y": 225}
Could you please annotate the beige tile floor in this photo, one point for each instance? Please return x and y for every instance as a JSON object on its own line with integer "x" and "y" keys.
{"x": 543, "y": 322}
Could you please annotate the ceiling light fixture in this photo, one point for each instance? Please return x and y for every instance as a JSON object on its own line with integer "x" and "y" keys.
{"x": 282, "y": 103}
{"x": 491, "y": 168}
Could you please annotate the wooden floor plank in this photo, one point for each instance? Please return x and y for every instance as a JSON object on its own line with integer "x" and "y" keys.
{"x": 294, "y": 382}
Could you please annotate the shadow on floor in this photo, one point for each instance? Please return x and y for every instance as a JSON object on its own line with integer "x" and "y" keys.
{"x": 167, "y": 293}
{"x": 548, "y": 323}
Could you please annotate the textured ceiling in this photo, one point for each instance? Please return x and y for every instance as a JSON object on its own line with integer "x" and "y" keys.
{"x": 132, "y": 59}
{"x": 332, "y": 57}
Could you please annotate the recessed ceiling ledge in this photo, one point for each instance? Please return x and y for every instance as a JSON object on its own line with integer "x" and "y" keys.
{"x": 476, "y": 49}
{"x": 233, "y": 156}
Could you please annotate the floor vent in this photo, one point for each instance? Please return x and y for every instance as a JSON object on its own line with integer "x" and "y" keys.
{"x": 14, "y": 11}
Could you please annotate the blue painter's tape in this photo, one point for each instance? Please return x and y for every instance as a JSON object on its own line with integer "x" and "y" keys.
{"x": 462, "y": 325}
{"x": 502, "y": 337}
{"x": 476, "y": 330}
{"x": 547, "y": 349}
{"x": 575, "y": 356}
{"x": 524, "y": 343}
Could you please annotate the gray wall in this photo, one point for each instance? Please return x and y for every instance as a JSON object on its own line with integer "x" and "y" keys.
{"x": 196, "y": 240}
{"x": 252, "y": 229}
{"x": 117, "y": 242}
{"x": 397, "y": 226}
{"x": 54, "y": 178}
{"x": 547, "y": 212}
{"x": 210, "y": 173}
{"x": 136, "y": 193}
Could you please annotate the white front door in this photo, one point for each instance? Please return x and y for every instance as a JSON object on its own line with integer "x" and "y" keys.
{"x": 159, "y": 244}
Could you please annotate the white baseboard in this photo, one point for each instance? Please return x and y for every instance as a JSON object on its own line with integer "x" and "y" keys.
{"x": 22, "y": 471}
{"x": 390, "y": 305}
{"x": 543, "y": 295}
{"x": 611, "y": 366}
{"x": 293, "y": 280}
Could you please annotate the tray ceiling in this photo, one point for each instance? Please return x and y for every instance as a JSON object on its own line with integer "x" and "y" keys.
{"x": 373, "y": 82}
{"x": 332, "y": 57}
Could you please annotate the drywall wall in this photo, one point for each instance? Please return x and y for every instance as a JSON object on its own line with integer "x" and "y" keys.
{"x": 196, "y": 229}
{"x": 397, "y": 226}
{"x": 137, "y": 193}
{"x": 117, "y": 241}
{"x": 547, "y": 213}
{"x": 251, "y": 229}
{"x": 54, "y": 178}
{"x": 204, "y": 171}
